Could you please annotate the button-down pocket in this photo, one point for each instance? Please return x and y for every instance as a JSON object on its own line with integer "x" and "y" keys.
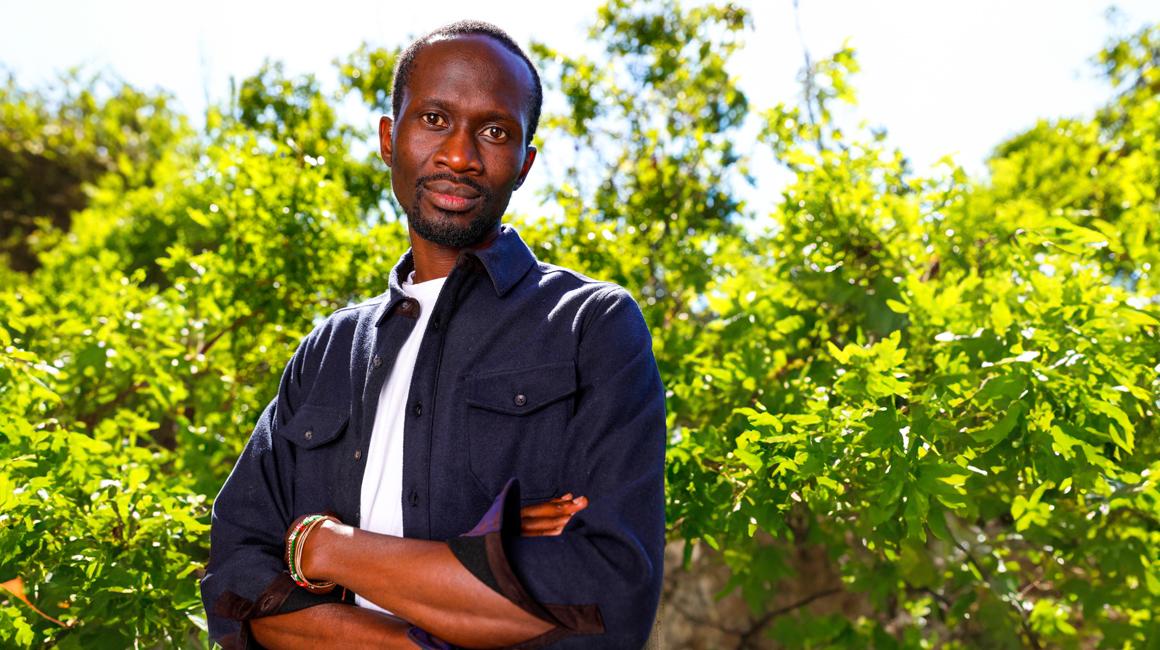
{"x": 313, "y": 426}
{"x": 516, "y": 422}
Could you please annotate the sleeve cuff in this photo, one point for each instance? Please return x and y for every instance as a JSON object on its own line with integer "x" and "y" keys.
{"x": 282, "y": 596}
{"x": 482, "y": 552}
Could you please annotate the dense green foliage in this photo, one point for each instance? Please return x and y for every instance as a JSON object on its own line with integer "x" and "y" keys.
{"x": 947, "y": 385}
{"x": 52, "y": 144}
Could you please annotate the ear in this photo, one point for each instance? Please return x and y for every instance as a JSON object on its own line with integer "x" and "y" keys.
{"x": 385, "y": 126}
{"x": 529, "y": 158}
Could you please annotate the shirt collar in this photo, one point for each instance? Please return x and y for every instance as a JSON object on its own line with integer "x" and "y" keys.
{"x": 506, "y": 261}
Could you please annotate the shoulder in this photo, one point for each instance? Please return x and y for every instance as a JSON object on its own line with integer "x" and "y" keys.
{"x": 567, "y": 275}
{"x": 341, "y": 325}
{"x": 566, "y": 280}
{"x": 350, "y": 315}
{"x": 323, "y": 356}
{"x": 596, "y": 303}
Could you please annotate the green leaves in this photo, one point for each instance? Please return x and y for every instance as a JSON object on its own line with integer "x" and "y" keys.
{"x": 935, "y": 395}
{"x": 972, "y": 358}
{"x": 1122, "y": 431}
{"x": 136, "y": 358}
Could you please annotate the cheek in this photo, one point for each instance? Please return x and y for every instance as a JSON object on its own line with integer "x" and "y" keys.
{"x": 508, "y": 166}
{"x": 405, "y": 168}
{"x": 402, "y": 185}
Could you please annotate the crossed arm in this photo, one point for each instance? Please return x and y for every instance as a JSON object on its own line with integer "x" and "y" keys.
{"x": 420, "y": 581}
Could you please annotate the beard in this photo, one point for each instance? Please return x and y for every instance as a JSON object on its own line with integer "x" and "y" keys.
{"x": 446, "y": 228}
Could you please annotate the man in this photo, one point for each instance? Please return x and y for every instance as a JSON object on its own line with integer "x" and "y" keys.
{"x": 482, "y": 380}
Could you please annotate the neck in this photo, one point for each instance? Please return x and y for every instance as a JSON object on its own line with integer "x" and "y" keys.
{"x": 434, "y": 261}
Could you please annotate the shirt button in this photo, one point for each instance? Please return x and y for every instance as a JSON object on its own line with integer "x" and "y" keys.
{"x": 308, "y": 435}
{"x": 418, "y": 409}
{"x": 435, "y": 324}
{"x": 414, "y": 498}
{"x": 357, "y": 454}
{"x": 377, "y": 361}
{"x": 521, "y": 399}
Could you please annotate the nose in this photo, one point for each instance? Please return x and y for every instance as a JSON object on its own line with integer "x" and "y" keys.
{"x": 458, "y": 152}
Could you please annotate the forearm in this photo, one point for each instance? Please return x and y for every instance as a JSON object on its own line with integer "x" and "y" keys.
{"x": 421, "y": 581}
{"x": 330, "y": 625}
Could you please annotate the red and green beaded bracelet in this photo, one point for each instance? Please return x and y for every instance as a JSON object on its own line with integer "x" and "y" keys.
{"x": 295, "y": 542}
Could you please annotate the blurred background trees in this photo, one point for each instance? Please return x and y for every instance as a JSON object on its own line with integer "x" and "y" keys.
{"x": 905, "y": 410}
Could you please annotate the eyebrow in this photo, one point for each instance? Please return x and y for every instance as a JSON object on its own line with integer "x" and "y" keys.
{"x": 436, "y": 103}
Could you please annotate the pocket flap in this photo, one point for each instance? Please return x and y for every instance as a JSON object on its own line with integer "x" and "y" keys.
{"x": 524, "y": 390}
{"x": 313, "y": 426}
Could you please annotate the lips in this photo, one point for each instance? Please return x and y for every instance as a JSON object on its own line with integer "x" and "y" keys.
{"x": 451, "y": 196}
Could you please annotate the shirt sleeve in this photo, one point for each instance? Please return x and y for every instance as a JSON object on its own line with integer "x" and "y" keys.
{"x": 246, "y": 576}
{"x": 603, "y": 574}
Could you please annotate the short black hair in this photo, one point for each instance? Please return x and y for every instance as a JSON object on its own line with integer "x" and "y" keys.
{"x": 406, "y": 62}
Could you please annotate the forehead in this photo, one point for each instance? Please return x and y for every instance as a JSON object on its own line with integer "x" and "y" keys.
{"x": 470, "y": 71}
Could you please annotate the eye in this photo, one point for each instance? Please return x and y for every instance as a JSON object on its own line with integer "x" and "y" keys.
{"x": 495, "y": 133}
{"x": 432, "y": 119}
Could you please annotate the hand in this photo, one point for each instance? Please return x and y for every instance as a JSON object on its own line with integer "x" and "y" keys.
{"x": 550, "y": 517}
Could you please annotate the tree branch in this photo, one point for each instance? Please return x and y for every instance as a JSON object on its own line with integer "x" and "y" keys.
{"x": 238, "y": 322}
{"x": 761, "y": 623}
{"x": 1032, "y": 638}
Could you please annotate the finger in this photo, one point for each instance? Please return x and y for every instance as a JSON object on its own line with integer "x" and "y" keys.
{"x": 546, "y": 532}
{"x": 544, "y": 522}
{"x": 555, "y": 507}
{"x": 543, "y": 525}
{"x": 572, "y": 507}
{"x": 536, "y": 522}
{"x": 542, "y": 533}
{"x": 541, "y": 510}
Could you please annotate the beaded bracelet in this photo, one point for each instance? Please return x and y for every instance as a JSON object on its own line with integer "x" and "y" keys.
{"x": 295, "y": 542}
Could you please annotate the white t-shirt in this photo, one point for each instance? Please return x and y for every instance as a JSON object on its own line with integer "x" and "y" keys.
{"x": 381, "y": 506}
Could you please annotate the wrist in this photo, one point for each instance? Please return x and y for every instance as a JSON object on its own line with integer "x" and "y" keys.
{"x": 315, "y": 555}
{"x": 302, "y": 533}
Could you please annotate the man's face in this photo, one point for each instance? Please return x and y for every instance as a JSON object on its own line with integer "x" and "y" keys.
{"x": 456, "y": 149}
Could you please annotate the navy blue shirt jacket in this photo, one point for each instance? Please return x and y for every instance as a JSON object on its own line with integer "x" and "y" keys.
{"x": 527, "y": 371}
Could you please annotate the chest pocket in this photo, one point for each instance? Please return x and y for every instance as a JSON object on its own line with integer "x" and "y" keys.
{"x": 314, "y": 426}
{"x": 516, "y": 422}
{"x": 315, "y": 433}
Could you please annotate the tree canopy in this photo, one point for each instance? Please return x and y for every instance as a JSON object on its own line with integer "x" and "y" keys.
{"x": 942, "y": 390}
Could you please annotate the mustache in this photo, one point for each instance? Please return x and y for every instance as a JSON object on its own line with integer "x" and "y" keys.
{"x": 448, "y": 176}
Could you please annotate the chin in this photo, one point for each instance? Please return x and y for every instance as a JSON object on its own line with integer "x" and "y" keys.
{"x": 454, "y": 230}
